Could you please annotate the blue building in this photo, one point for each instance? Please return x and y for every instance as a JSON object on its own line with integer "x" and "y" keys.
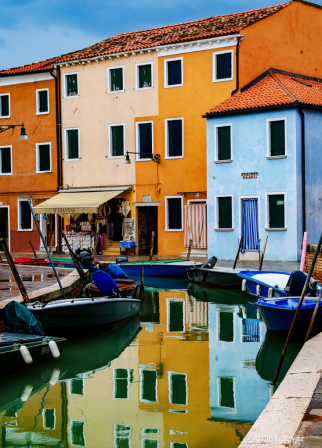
{"x": 264, "y": 168}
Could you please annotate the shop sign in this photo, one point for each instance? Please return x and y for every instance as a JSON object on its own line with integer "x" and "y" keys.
{"x": 147, "y": 199}
{"x": 249, "y": 175}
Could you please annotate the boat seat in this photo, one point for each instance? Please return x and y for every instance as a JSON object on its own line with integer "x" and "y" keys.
{"x": 7, "y": 339}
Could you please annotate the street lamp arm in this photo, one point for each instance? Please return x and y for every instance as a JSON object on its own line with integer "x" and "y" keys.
{"x": 6, "y": 127}
{"x": 154, "y": 157}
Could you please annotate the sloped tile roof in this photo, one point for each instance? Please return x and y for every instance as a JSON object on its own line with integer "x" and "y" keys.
{"x": 183, "y": 32}
{"x": 273, "y": 88}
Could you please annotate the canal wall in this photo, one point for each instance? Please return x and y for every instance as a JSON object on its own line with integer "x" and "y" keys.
{"x": 317, "y": 272}
{"x": 278, "y": 424}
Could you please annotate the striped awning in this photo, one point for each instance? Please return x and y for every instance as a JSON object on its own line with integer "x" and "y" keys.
{"x": 196, "y": 226}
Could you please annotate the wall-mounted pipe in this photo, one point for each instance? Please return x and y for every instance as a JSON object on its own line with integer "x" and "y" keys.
{"x": 237, "y": 67}
{"x": 303, "y": 169}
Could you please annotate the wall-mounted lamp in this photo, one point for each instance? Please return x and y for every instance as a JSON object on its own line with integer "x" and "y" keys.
{"x": 23, "y": 135}
{"x": 154, "y": 157}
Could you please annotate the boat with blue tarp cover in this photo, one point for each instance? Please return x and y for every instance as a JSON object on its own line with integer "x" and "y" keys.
{"x": 164, "y": 268}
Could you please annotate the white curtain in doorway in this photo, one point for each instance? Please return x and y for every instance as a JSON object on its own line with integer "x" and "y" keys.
{"x": 195, "y": 225}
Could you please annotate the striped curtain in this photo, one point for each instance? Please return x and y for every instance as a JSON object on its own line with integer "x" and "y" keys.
{"x": 250, "y": 225}
{"x": 195, "y": 226}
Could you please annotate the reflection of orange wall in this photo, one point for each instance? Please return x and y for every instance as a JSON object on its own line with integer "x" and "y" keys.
{"x": 181, "y": 353}
{"x": 24, "y": 182}
{"x": 194, "y": 98}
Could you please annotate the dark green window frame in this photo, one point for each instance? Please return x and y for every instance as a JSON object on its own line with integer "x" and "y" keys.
{"x": 25, "y": 219}
{"x": 49, "y": 418}
{"x": 178, "y": 388}
{"x": 71, "y": 82}
{"x": 144, "y": 140}
{"x": 226, "y": 392}
{"x": 174, "y": 213}
{"x": 223, "y": 66}
{"x": 117, "y": 140}
{"x": 225, "y": 212}
{"x": 72, "y": 144}
{"x": 116, "y": 79}
{"x": 144, "y": 76}
{"x": 223, "y": 143}
{"x": 76, "y": 386}
{"x": 5, "y": 161}
{"x": 43, "y": 158}
{"x": 277, "y": 138}
{"x": 174, "y": 133}
{"x": 276, "y": 211}
{"x": 121, "y": 383}
{"x": 43, "y": 101}
{"x": 148, "y": 386}
{"x": 174, "y": 72}
{"x": 175, "y": 316}
{"x": 77, "y": 430}
{"x": 5, "y": 105}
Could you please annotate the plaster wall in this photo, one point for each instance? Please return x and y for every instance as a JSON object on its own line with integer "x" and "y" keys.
{"x": 249, "y": 147}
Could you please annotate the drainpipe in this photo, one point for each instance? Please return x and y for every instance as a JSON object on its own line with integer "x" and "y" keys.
{"x": 237, "y": 67}
{"x": 303, "y": 168}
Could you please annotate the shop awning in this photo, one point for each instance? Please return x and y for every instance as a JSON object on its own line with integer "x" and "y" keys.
{"x": 74, "y": 204}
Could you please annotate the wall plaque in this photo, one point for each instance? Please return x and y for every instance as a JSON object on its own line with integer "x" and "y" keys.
{"x": 147, "y": 199}
{"x": 249, "y": 175}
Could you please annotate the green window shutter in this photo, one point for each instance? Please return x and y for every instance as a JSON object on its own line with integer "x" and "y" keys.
{"x": 176, "y": 315}
{"x": 178, "y": 389}
{"x": 276, "y": 211}
{"x": 225, "y": 220}
{"x": 175, "y": 138}
{"x": 43, "y": 101}
{"x": 44, "y": 157}
{"x": 25, "y": 215}
{"x": 6, "y": 161}
{"x": 224, "y": 143}
{"x": 145, "y": 140}
{"x": 150, "y": 443}
{"x": 226, "y": 325}
{"x": 226, "y": 391}
{"x": 77, "y": 387}
{"x": 116, "y": 78}
{"x": 49, "y": 419}
{"x": 174, "y": 73}
{"x": 277, "y": 138}
{"x": 121, "y": 383}
{"x": 77, "y": 433}
{"x": 179, "y": 445}
{"x": 72, "y": 140}
{"x": 145, "y": 78}
{"x": 174, "y": 213}
{"x": 117, "y": 141}
{"x": 72, "y": 85}
{"x": 223, "y": 66}
{"x": 149, "y": 385}
{"x": 4, "y": 105}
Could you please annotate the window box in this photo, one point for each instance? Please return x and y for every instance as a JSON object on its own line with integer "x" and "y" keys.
{"x": 223, "y": 66}
{"x": 144, "y": 140}
{"x": 173, "y": 72}
{"x": 71, "y": 85}
{"x": 174, "y": 138}
{"x": 5, "y": 105}
{"x": 25, "y": 221}
{"x": 173, "y": 214}
{"x": 224, "y": 213}
{"x": 116, "y": 140}
{"x": 275, "y": 212}
{"x": 5, "y": 160}
{"x": 72, "y": 144}
{"x": 42, "y": 101}
{"x": 223, "y": 143}
{"x": 144, "y": 76}
{"x": 276, "y": 138}
{"x": 43, "y": 158}
{"x": 115, "y": 79}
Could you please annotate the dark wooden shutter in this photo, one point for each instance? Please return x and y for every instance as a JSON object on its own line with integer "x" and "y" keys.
{"x": 44, "y": 157}
{"x": 145, "y": 140}
{"x": 276, "y": 211}
{"x": 175, "y": 138}
{"x": 227, "y": 398}
{"x": 43, "y": 101}
{"x": 223, "y": 66}
{"x": 145, "y": 79}
{"x": 72, "y": 87}
{"x": 178, "y": 389}
{"x": 174, "y": 73}
{"x": 5, "y": 160}
{"x": 225, "y": 213}
{"x": 226, "y": 326}
{"x": 116, "y": 79}
{"x": 277, "y": 138}
{"x": 4, "y": 103}
{"x": 73, "y": 144}
{"x": 174, "y": 214}
{"x": 25, "y": 214}
{"x": 120, "y": 383}
{"x": 149, "y": 380}
{"x": 224, "y": 143}
{"x": 117, "y": 141}
{"x": 176, "y": 315}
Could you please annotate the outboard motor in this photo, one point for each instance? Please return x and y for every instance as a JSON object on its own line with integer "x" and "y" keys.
{"x": 296, "y": 284}
{"x": 86, "y": 259}
{"x": 210, "y": 263}
{"x": 121, "y": 260}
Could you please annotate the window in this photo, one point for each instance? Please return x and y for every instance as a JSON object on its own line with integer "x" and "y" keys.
{"x": 5, "y": 160}
{"x": 150, "y": 443}
{"x": 178, "y": 390}
{"x": 71, "y": 84}
{"x": 49, "y": 418}
{"x": 174, "y": 138}
{"x": 223, "y": 66}
{"x": 225, "y": 319}
{"x": 116, "y": 140}
{"x": 173, "y": 213}
{"x": 276, "y": 211}
{"x": 115, "y": 79}
{"x": 77, "y": 431}
{"x": 121, "y": 383}
{"x": 175, "y": 315}
{"x": 276, "y": 138}
{"x": 5, "y": 105}
{"x": 144, "y": 140}
{"x": 148, "y": 386}
{"x": 223, "y": 150}
{"x": 144, "y": 76}
{"x": 224, "y": 213}
{"x": 178, "y": 445}
{"x": 72, "y": 144}
{"x": 122, "y": 435}
{"x": 250, "y": 330}
{"x": 173, "y": 72}
{"x": 76, "y": 387}
{"x": 43, "y": 157}
{"x": 42, "y": 100}
{"x": 24, "y": 215}
{"x": 149, "y": 431}
{"x": 226, "y": 392}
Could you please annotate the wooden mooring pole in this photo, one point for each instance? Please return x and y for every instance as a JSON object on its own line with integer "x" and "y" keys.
{"x": 239, "y": 247}
{"x": 263, "y": 253}
{"x": 32, "y": 247}
{"x": 189, "y": 249}
{"x": 51, "y": 242}
{"x": 14, "y": 271}
{"x": 152, "y": 245}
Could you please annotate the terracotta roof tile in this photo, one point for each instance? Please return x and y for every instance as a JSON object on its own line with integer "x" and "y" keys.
{"x": 275, "y": 89}
{"x": 183, "y": 32}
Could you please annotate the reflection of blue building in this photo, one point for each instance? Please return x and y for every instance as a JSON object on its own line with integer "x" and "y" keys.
{"x": 237, "y": 392}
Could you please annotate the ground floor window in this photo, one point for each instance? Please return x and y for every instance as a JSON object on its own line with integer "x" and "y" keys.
{"x": 24, "y": 215}
{"x": 224, "y": 212}
{"x": 225, "y": 323}
{"x": 122, "y": 435}
{"x": 276, "y": 211}
{"x": 173, "y": 213}
{"x": 226, "y": 391}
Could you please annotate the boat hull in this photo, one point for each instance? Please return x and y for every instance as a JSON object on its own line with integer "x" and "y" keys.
{"x": 219, "y": 277}
{"x": 266, "y": 280}
{"x": 168, "y": 269}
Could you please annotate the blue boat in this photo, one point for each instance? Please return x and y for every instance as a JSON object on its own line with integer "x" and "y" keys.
{"x": 164, "y": 268}
{"x": 264, "y": 284}
{"x": 278, "y": 315}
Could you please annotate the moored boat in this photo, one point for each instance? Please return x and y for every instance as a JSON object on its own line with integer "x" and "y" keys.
{"x": 216, "y": 276}
{"x": 164, "y": 268}
{"x": 126, "y": 288}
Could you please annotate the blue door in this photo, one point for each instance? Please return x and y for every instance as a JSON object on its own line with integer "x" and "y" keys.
{"x": 249, "y": 227}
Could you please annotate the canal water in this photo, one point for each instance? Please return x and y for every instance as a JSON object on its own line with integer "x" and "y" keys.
{"x": 194, "y": 370}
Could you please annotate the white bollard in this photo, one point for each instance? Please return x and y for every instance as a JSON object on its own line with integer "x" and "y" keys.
{"x": 25, "y": 354}
{"x": 244, "y": 285}
{"x": 54, "y": 349}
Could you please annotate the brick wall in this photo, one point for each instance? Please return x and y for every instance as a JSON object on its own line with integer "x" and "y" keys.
{"x": 317, "y": 272}
{"x": 2, "y": 329}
